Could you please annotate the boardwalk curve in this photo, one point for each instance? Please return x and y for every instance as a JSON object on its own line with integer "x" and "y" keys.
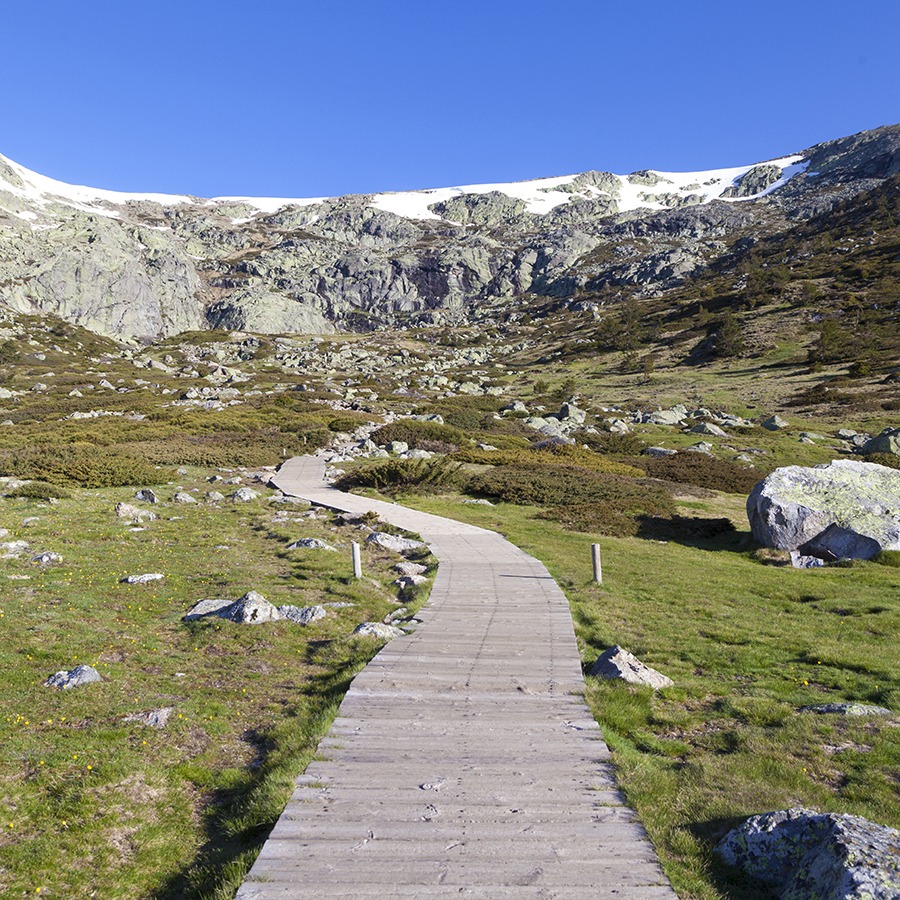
{"x": 463, "y": 760}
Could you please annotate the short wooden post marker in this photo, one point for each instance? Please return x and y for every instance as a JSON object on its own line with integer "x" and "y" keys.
{"x": 357, "y": 559}
{"x": 595, "y": 559}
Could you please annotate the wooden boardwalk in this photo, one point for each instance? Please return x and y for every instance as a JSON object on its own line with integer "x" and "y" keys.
{"x": 464, "y": 760}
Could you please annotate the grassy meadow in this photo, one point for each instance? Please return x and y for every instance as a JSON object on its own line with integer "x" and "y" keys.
{"x": 92, "y": 804}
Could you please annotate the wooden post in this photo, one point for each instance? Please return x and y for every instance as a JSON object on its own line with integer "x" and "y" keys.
{"x": 595, "y": 558}
{"x": 357, "y": 560}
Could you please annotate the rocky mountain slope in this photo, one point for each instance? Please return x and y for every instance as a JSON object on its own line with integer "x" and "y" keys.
{"x": 151, "y": 266}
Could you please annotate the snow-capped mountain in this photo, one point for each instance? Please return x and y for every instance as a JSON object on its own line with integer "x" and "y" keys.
{"x": 139, "y": 264}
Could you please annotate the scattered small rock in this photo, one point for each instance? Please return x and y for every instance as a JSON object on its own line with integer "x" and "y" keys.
{"x": 46, "y": 558}
{"x": 11, "y": 549}
{"x": 311, "y": 544}
{"x": 184, "y": 497}
{"x": 619, "y": 663}
{"x": 73, "y": 678}
{"x": 410, "y": 568}
{"x": 774, "y": 423}
{"x": 142, "y": 579}
{"x": 377, "y": 630}
{"x": 134, "y": 514}
{"x": 847, "y": 709}
{"x": 243, "y": 495}
{"x": 154, "y": 718}
{"x": 303, "y": 615}
{"x": 393, "y": 542}
{"x": 214, "y": 496}
{"x": 146, "y": 495}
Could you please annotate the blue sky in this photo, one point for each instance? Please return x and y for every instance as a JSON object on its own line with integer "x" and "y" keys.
{"x": 300, "y": 99}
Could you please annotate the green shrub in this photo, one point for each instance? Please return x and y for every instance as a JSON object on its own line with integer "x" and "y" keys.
{"x": 346, "y": 423}
{"x": 39, "y": 490}
{"x": 551, "y": 454}
{"x": 567, "y": 486}
{"x": 891, "y": 460}
{"x": 702, "y": 471}
{"x": 81, "y": 464}
{"x": 417, "y": 434}
{"x": 889, "y": 558}
{"x": 418, "y": 475}
{"x": 593, "y": 518}
{"x": 614, "y": 444}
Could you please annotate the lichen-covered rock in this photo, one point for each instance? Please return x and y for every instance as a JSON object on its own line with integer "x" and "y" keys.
{"x": 377, "y": 630}
{"x": 305, "y": 615}
{"x": 810, "y": 856}
{"x": 311, "y": 543}
{"x": 848, "y": 709}
{"x": 142, "y": 579}
{"x": 886, "y": 442}
{"x": 244, "y": 495}
{"x": 393, "y": 542}
{"x": 134, "y": 514}
{"x": 619, "y": 663}
{"x": 845, "y": 509}
{"x": 64, "y": 680}
{"x": 251, "y": 609}
{"x": 154, "y": 718}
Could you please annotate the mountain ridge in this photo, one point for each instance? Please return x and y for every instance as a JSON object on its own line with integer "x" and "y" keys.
{"x": 153, "y": 265}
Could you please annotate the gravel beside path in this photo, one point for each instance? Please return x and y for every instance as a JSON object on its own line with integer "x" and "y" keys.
{"x": 463, "y": 760}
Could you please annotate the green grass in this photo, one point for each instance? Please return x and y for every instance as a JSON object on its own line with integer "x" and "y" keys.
{"x": 747, "y": 645}
{"x": 93, "y": 805}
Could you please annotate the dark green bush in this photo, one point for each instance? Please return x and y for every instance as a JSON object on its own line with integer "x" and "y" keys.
{"x": 567, "y": 486}
{"x": 891, "y": 460}
{"x": 593, "y": 518}
{"x": 889, "y": 558}
{"x": 81, "y": 464}
{"x": 417, "y": 475}
{"x": 614, "y": 444}
{"x": 551, "y": 454}
{"x": 703, "y": 471}
{"x": 39, "y": 490}
{"x": 416, "y": 434}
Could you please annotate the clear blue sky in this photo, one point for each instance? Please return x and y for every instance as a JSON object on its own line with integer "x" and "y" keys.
{"x": 299, "y": 99}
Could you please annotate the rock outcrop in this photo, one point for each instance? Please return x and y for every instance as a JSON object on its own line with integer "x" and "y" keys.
{"x": 151, "y": 266}
{"x": 809, "y": 856}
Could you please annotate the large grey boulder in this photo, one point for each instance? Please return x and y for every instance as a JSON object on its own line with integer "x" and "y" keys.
{"x": 805, "y": 855}
{"x": 618, "y": 663}
{"x": 886, "y": 442}
{"x": 845, "y": 509}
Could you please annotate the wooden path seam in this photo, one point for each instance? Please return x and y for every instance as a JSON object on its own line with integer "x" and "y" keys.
{"x": 463, "y": 760}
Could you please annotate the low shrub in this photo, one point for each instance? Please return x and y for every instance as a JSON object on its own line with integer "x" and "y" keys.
{"x": 417, "y": 475}
{"x": 593, "y": 518}
{"x": 567, "y": 486}
{"x": 39, "y": 490}
{"x": 83, "y": 465}
{"x": 416, "y": 434}
{"x": 552, "y": 454}
{"x": 889, "y": 558}
{"x": 702, "y": 471}
{"x": 891, "y": 460}
{"x": 614, "y": 444}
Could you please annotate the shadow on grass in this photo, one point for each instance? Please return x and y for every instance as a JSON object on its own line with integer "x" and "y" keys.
{"x": 240, "y": 817}
{"x": 695, "y": 531}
